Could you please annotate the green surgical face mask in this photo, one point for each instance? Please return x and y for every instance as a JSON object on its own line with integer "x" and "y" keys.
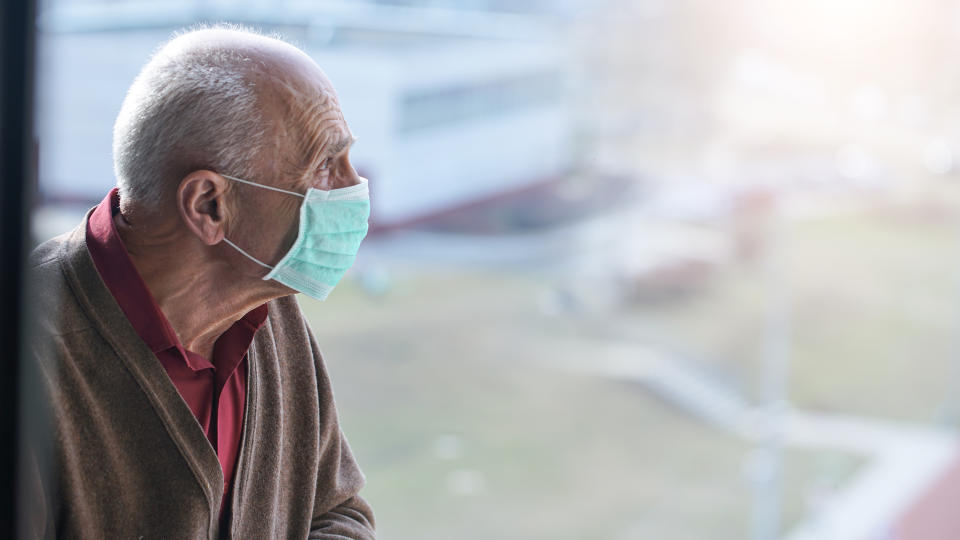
{"x": 332, "y": 225}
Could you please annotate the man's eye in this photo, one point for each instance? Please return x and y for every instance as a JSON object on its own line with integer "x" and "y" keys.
{"x": 325, "y": 164}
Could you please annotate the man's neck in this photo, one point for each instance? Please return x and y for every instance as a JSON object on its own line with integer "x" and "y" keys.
{"x": 200, "y": 298}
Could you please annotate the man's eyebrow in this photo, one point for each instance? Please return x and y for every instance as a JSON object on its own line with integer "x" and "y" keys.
{"x": 341, "y": 145}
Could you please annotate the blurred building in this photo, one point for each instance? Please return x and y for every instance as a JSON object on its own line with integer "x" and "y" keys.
{"x": 418, "y": 86}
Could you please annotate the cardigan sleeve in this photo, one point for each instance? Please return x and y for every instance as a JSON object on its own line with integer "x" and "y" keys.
{"x": 35, "y": 519}
{"x": 350, "y": 519}
{"x": 36, "y": 505}
{"x": 339, "y": 512}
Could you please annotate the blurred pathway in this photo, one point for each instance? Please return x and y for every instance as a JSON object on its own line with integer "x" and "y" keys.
{"x": 904, "y": 462}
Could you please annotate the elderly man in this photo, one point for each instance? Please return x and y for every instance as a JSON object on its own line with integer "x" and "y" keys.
{"x": 187, "y": 395}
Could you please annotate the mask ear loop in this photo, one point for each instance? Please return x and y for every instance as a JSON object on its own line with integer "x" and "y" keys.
{"x": 242, "y": 181}
{"x": 264, "y": 186}
{"x": 247, "y": 255}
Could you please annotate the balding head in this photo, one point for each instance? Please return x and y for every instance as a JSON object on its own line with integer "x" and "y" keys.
{"x": 226, "y": 100}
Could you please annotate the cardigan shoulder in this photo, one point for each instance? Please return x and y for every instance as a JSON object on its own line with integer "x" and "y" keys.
{"x": 51, "y": 300}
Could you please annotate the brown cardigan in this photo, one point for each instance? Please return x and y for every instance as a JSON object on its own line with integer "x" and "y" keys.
{"x": 127, "y": 457}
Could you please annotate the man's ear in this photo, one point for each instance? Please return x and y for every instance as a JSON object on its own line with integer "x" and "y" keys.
{"x": 200, "y": 200}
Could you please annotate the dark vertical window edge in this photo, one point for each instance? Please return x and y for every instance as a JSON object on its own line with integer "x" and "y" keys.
{"x": 17, "y": 147}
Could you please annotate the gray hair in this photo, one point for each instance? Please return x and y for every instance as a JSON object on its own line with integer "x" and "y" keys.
{"x": 190, "y": 108}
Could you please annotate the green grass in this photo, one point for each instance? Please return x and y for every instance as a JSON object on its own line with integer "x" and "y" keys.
{"x": 562, "y": 456}
{"x": 876, "y": 318}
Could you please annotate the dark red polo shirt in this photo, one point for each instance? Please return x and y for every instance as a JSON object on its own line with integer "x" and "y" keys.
{"x": 215, "y": 388}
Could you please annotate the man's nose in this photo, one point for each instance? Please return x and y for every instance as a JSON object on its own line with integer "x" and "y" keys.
{"x": 348, "y": 178}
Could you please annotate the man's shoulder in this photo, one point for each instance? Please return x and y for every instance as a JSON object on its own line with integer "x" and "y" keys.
{"x": 47, "y": 281}
{"x": 50, "y": 299}
{"x": 48, "y": 252}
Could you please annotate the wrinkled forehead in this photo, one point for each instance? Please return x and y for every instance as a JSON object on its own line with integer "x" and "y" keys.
{"x": 307, "y": 115}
